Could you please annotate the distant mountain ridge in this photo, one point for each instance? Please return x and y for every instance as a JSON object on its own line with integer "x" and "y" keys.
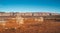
{"x": 27, "y": 14}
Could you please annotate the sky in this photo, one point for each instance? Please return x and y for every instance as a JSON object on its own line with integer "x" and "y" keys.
{"x": 30, "y": 6}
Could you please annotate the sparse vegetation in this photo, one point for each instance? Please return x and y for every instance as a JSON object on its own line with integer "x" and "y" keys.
{"x": 45, "y": 27}
{"x": 30, "y": 24}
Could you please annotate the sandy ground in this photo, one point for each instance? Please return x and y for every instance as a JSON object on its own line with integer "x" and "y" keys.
{"x": 44, "y": 27}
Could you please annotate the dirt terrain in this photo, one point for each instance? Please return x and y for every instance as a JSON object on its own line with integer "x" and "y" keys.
{"x": 44, "y": 27}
